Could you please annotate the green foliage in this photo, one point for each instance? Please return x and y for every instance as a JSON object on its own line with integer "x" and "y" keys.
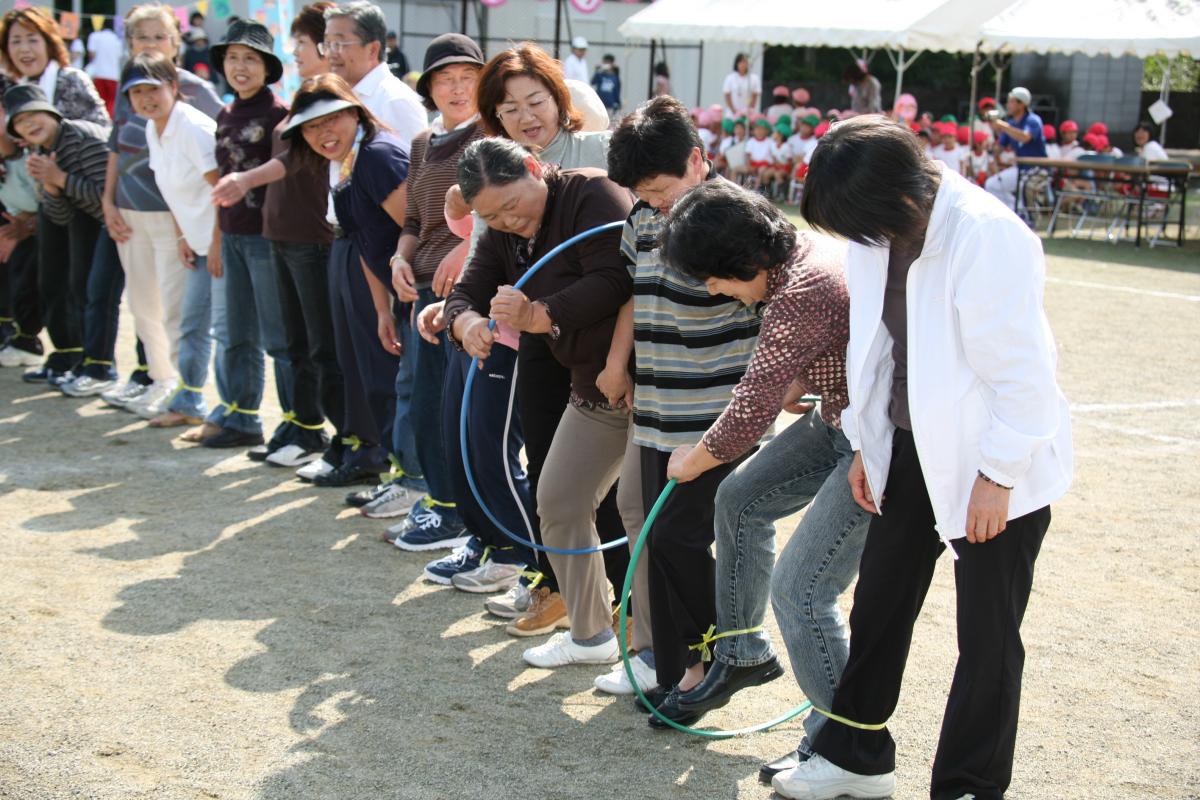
{"x": 1185, "y": 74}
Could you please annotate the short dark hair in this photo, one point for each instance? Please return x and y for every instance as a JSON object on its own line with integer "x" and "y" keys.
{"x": 738, "y": 59}
{"x": 720, "y": 230}
{"x": 1146, "y": 126}
{"x": 860, "y": 176}
{"x": 310, "y": 21}
{"x": 153, "y": 65}
{"x": 657, "y": 138}
{"x": 368, "y": 19}
{"x": 494, "y": 161}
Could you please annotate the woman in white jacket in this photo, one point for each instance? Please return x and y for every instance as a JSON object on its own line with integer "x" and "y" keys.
{"x": 962, "y": 440}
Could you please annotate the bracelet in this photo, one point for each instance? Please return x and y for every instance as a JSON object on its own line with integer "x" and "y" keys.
{"x": 392, "y": 260}
{"x": 986, "y": 479}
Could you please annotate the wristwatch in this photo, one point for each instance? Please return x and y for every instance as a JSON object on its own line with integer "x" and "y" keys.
{"x": 555, "y": 331}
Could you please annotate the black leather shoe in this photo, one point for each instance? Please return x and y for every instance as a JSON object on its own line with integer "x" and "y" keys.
{"x": 228, "y": 437}
{"x": 722, "y": 680}
{"x": 348, "y": 475}
{"x": 655, "y": 696}
{"x": 259, "y": 453}
{"x": 670, "y": 709}
{"x": 772, "y": 768}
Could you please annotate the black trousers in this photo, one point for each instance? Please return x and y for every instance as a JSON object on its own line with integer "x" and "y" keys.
{"x": 369, "y": 371}
{"x": 543, "y": 391}
{"x": 19, "y": 295}
{"x": 303, "y": 276}
{"x": 992, "y": 582}
{"x": 64, "y": 260}
{"x": 681, "y": 569}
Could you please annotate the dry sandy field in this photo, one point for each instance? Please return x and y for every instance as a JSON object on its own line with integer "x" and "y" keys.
{"x": 179, "y": 623}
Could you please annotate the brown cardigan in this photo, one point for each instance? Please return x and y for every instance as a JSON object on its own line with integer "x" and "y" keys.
{"x": 583, "y": 288}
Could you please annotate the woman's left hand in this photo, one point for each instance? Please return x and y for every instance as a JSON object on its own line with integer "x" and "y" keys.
{"x": 513, "y": 308}
{"x": 45, "y": 170}
{"x": 678, "y": 468}
{"x": 987, "y": 513}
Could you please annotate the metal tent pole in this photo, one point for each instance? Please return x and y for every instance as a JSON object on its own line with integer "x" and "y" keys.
{"x": 557, "y": 25}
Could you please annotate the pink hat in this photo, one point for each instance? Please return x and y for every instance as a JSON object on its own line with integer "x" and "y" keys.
{"x": 1069, "y": 126}
{"x": 1049, "y": 133}
{"x": 800, "y": 96}
{"x": 1098, "y": 127}
{"x": 779, "y": 91}
{"x": 715, "y": 108}
{"x": 704, "y": 119}
{"x": 696, "y": 112}
{"x": 980, "y": 137}
{"x": 822, "y": 129}
{"x": 964, "y": 134}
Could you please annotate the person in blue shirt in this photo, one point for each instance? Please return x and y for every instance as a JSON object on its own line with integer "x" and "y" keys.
{"x": 1022, "y": 132}
{"x": 607, "y": 82}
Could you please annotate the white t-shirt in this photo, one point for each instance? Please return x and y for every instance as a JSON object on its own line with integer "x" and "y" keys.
{"x": 106, "y": 61}
{"x": 727, "y": 143}
{"x": 781, "y": 153}
{"x": 759, "y": 149}
{"x": 1153, "y": 151}
{"x": 951, "y": 157}
{"x": 78, "y": 51}
{"x": 1071, "y": 151}
{"x": 977, "y": 163}
{"x": 802, "y": 149}
{"x": 740, "y": 88}
{"x": 707, "y": 137}
{"x": 180, "y": 158}
{"x": 1052, "y": 150}
{"x": 576, "y": 68}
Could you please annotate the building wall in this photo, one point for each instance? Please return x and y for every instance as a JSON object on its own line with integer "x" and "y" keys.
{"x": 1086, "y": 89}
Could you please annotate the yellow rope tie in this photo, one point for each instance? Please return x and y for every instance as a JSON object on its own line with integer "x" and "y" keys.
{"x": 290, "y": 417}
{"x": 353, "y": 442}
{"x": 431, "y": 503}
{"x": 234, "y": 408}
{"x": 487, "y": 553}
{"x": 849, "y": 722}
{"x": 69, "y": 350}
{"x": 183, "y": 387}
{"x": 711, "y": 636}
{"x": 142, "y": 368}
{"x": 88, "y": 361}
{"x": 535, "y": 577}
{"x": 6, "y": 319}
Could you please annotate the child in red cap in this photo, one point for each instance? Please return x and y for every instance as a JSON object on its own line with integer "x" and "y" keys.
{"x": 1051, "y": 136}
{"x": 978, "y": 162}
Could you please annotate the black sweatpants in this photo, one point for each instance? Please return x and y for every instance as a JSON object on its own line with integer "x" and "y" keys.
{"x": 992, "y": 582}
{"x": 19, "y": 296}
{"x": 64, "y": 262}
{"x": 682, "y": 571}
{"x": 543, "y": 391}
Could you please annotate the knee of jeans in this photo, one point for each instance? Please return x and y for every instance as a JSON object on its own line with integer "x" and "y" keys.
{"x": 731, "y": 503}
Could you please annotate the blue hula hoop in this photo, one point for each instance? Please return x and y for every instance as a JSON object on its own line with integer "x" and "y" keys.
{"x": 463, "y": 427}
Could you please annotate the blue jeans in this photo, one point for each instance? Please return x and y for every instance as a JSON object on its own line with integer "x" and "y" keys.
{"x": 806, "y": 463}
{"x": 425, "y": 411}
{"x": 203, "y": 310}
{"x": 253, "y": 323}
{"x": 105, "y": 282}
{"x": 404, "y": 443}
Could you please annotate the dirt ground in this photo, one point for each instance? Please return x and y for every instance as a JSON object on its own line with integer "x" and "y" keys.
{"x": 181, "y": 623}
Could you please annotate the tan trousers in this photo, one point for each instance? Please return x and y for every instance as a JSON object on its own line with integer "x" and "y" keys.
{"x": 591, "y": 448}
{"x": 155, "y": 279}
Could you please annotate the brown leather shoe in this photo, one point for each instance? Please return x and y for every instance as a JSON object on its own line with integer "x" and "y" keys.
{"x": 199, "y": 434}
{"x": 547, "y": 613}
{"x": 173, "y": 419}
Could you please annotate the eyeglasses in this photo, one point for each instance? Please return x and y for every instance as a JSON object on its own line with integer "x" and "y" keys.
{"x": 325, "y": 48}
{"x": 512, "y": 111}
{"x": 156, "y": 39}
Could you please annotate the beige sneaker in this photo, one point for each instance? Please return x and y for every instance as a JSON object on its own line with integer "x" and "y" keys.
{"x": 545, "y": 614}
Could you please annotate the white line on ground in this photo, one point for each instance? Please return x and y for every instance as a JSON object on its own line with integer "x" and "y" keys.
{"x": 1154, "y": 405}
{"x": 1140, "y": 433}
{"x": 1190, "y": 298}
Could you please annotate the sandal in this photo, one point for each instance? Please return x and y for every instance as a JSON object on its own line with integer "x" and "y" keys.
{"x": 198, "y": 434}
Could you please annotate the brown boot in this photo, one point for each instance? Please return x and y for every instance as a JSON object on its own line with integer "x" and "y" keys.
{"x": 547, "y": 613}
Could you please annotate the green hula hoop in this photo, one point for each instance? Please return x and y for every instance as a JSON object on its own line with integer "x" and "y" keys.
{"x": 624, "y": 615}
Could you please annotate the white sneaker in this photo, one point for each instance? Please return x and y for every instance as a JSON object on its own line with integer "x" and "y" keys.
{"x": 152, "y": 402}
{"x": 397, "y": 500}
{"x": 86, "y": 386}
{"x": 561, "y": 650}
{"x": 121, "y": 396}
{"x": 490, "y": 576}
{"x": 314, "y": 469}
{"x": 512, "y": 604}
{"x": 819, "y": 779}
{"x": 617, "y": 682}
{"x": 16, "y": 357}
{"x": 292, "y": 455}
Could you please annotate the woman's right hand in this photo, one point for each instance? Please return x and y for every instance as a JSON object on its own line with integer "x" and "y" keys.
{"x": 431, "y": 322}
{"x": 403, "y": 280}
{"x": 456, "y": 206}
{"x": 118, "y": 228}
{"x": 215, "y": 268}
{"x": 477, "y": 338}
{"x": 613, "y": 381}
{"x": 186, "y": 255}
{"x": 859, "y": 486}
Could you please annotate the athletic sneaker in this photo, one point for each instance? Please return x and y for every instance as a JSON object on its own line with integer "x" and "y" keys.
{"x": 154, "y": 400}
{"x": 461, "y": 559}
{"x": 86, "y": 386}
{"x": 16, "y": 357}
{"x": 547, "y": 612}
{"x": 425, "y": 530}
{"x": 121, "y": 396}
{"x": 363, "y": 496}
{"x": 511, "y": 604}
{"x": 292, "y": 455}
{"x": 819, "y": 779}
{"x": 617, "y": 682}
{"x": 397, "y": 499}
{"x": 489, "y": 576}
{"x": 562, "y": 650}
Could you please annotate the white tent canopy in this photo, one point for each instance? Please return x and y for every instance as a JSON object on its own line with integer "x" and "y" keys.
{"x": 1100, "y": 27}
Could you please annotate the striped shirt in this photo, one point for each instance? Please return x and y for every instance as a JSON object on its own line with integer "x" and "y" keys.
{"x": 690, "y": 348}
{"x": 82, "y": 152}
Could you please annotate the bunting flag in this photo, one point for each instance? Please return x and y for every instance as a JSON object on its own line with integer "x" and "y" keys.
{"x": 587, "y": 6}
{"x": 68, "y": 24}
{"x": 19, "y": 4}
{"x": 181, "y": 14}
{"x": 221, "y": 9}
{"x": 202, "y": 7}
{"x": 492, "y": 3}
{"x": 97, "y": 21}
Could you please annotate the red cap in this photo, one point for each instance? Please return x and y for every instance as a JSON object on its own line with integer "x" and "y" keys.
{"x": 964, "y": 134}
{"x": 1098, "y": 127}
{"x": 822, "y": 129}
{"x": 1049, "y": 132}
{"x": 987, "y": 102}
{"x": 980, "y": 137}
{"x": 915, "y": 127}
{"x": 1068, "y": 126}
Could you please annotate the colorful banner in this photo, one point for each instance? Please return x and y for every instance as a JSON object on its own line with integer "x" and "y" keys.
{"x": 202, "y": 6}
{"x": 181, "y": 14}
{"x": 492, "y": 3}
{"x": 587, "y": 6}
{"x": 277, "y": 16}
{"x": 221, "y": 9}
{"x": 97, "y": 21}
{"x": 68, "y": 25}
{"x": 19, "y": 4}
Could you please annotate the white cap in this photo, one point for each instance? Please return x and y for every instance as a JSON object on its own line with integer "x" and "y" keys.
{"x": 1022, "y": 95}
{"x": 579, "y": 43}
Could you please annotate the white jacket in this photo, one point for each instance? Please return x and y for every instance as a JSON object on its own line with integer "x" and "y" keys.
{"x": 981, "y": 360}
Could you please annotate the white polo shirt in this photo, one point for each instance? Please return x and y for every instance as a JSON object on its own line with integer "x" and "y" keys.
{"x": 180, "y": 158}
{"x": 106, "y": 63}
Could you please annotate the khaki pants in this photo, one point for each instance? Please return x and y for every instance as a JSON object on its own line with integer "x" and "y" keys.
{"x": 591, "y": 448}
{"x": 155, "y": 280}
